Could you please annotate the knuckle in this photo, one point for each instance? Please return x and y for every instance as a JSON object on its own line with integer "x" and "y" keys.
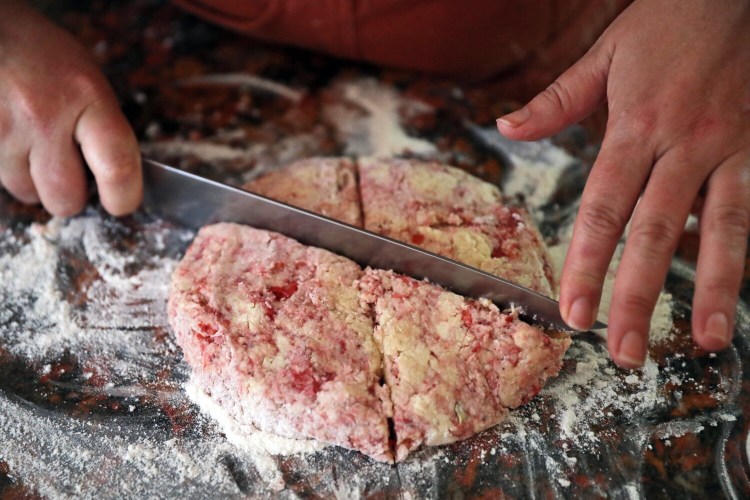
{"x": 582, "y": 277}
{"x": 601, "y": 221}
{"x": 639, "y": 122}
{"x": 638, "y": 305}
{"x": 116, "y": 171}
{"x": 728, "y": 219}
{"x": 654, "y": 234}
{"x": 57, "y": 181}
{"x": 86, "y": 83}
{"x": 557, "y": 95}
{"x": 33, "y": 110}
{"x": 92, "y": 89}
{"x": 43, "y": 110}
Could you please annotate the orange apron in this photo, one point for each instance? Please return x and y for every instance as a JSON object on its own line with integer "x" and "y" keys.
{"x": 473, "y": 39}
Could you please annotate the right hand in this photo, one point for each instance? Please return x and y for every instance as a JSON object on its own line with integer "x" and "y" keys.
{"x": 57, "y": 110}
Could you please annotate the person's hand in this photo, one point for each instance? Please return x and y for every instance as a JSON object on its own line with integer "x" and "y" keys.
{"x": 675, "y": 76}
{"x": 57, "y": 109}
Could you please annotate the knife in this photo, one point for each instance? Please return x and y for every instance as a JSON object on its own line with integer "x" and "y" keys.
{"x": 194, "y": 201}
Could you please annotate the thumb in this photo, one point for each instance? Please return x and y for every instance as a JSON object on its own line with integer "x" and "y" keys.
{"x": 569, "y": 99}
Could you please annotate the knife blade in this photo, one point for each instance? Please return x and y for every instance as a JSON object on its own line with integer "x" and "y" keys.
{"x": 194, "y": 201}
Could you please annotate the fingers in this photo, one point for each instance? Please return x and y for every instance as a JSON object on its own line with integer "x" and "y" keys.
{"x": 608, "y": 199}
{"x": 725, "y": 222}
{"x": 111, "y": 151}
{"x": 654, "y": 233}
{"x": 572, "y": 97}
{"x": 52, "y": 171}
{"x": 16, "y": 178}
{"x": 57, "y": 172}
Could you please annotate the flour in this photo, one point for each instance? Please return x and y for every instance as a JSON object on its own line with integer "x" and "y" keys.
{"x": 203, "y": 150}
{"x": 247, "y": 437}
{"x": 66, "y": 457}
{"x": 368, "y": 122}
{"x": 535, "y": 171}
{"x": 221, "y": 154}
{"x": 120, "y": 304}
{"x": 244, "y": 80}
{"x": 112, "y": 334}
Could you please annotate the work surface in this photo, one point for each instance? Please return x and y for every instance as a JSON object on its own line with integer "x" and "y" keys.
{"x": 92, "y": 386}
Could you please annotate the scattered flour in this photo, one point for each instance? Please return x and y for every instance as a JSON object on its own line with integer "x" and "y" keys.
{"x": 632, "y": 491}
{"x": 120, "y": 305}
{"x": 246, "y": 161}
{"x": 247, "y": 437}
{"x": 112, "y": 333}
{"x": 536, "y": 170}
{"x": 245, "y": 80}
{"x": 373, "y": 127}
{"x": 64, "y": 457}
{"x": 203, "y": 150}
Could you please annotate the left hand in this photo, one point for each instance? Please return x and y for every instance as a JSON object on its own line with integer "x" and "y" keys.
{"x": 675, "y": 76}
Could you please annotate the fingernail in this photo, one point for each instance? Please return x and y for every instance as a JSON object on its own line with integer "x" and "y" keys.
{"x": 579, "y": 314}
{"x": 632, "y": 349}
{"x": 516, "y": 118}
{"x": 717, "y": 327}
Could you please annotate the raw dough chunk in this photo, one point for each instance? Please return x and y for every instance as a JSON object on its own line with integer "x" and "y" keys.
{"x": 327, "y": 186}
{"x": 449, "y": 212}
{"x": 301, "y": 342}
{"x": 275, "y": 332}
{"x": 453, "y": 365}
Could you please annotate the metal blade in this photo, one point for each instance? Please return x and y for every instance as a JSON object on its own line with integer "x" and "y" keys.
{"x": 194, "y": 201}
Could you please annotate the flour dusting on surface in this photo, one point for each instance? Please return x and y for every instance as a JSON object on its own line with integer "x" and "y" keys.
{"x": 245, "y": 80}
{"x": 111, "y": 331}
{"x": 53, "y": 452}
{"x": 535, "y": 172}
{"x": 244, "y": 436}
{"x": 120, "y": 301}
{"x": 222, "y": 153}
{"x": 369, "y": 123}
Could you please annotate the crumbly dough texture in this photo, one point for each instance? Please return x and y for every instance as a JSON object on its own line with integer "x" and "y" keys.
{"x": 301, "y": 342}
{"x": 289, "y": 338}
{"x": 327, "y": 186}
{"x": 430, "y": 205}
{"x": 449, "y": 212}
{"x": 276, "y": 333}
{"x": 453, "y": 365}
